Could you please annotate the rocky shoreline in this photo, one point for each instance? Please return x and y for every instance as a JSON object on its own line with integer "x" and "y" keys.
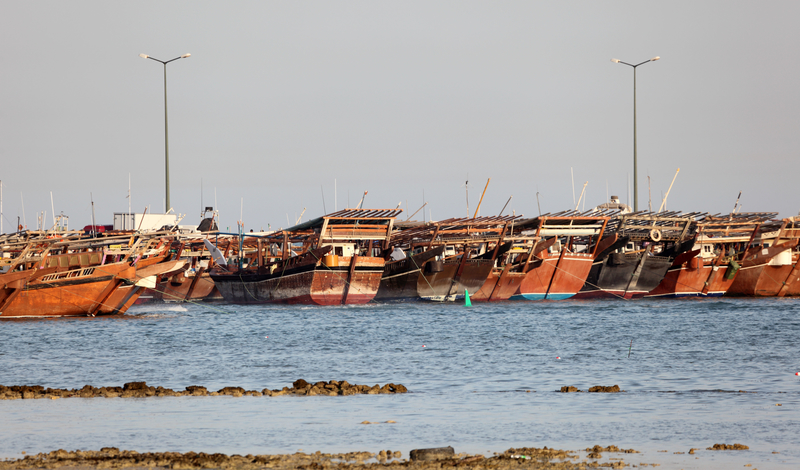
{"x": 142, "y": 390}
{"x": 527, "y": 458}
{"x": 113, "y": 458}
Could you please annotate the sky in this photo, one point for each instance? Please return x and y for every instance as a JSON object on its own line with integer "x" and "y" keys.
{"x": 283, "y": 104}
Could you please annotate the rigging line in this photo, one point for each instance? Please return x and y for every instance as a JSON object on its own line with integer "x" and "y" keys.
{"x": 590, "y": 284}
{"x": 426, "y": 280}
{"x": 194, "y": 302}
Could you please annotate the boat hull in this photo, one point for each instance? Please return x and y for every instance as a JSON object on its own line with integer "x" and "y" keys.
{"x": 616, "y": 276}
{"x": 453, "y": 280}
{"x": 689, "y": 280}
{"x": 557, "y": 278}
{"x": 764, "y": 271}
{"x": 86, "y": 291}
{"x": 312, "y": 283}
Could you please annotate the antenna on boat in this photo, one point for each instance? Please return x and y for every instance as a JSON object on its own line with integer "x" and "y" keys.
{"x": 649, "y": 196}
{"x": 322, "y": 190}
{"x": 737, "y": 204}
{"x": 1, "y": 206}
{"x": 477, "y": 209}
{"x": 581, "y": 198}
{"x": 572, "y": 177}
{"x": 301, "y": 216}
{"x": 504, "y": 207}
{"x": 334, "y": 196}
{"x": 53, "y": 208}
{"x": 537, "y": 204}
{"x": 415, "y": 213}
{"x": 664, "y": 202}
{"x": 94, "y": 227}
{"x": 24, "y": 221}
{"x": 362, "y": 200}
{"x": 466, "y": 186}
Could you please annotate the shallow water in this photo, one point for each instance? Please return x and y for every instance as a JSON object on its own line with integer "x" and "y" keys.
{"x": 481, "y": 378}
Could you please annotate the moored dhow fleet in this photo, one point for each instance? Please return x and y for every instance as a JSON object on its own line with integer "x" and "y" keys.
{"x": 357, "y": 256}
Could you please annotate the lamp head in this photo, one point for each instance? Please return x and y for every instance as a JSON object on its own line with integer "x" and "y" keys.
{"x": 189, "y": 55}
{"x": 616, "y": 61}
{"x": 144, "y": 56}
{"x": 655, "y": 58}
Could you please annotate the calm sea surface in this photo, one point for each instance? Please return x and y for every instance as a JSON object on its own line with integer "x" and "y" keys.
{"x": 481, "y": 379}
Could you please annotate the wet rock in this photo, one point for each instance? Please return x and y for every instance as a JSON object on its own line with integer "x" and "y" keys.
{"x": 196, "y": 390}
{"x": 602, "y": 389}
{"x": 728, "y": 447}
{"x": 232, "y": 391}
{"x": 569, "y": 389}
{"x": 434, "y": 453}
{"x": 299, "y": 383}
{"x": 133, "y": 386}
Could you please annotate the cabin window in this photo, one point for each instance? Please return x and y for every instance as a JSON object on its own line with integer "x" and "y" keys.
{"x": 339, "y": 251}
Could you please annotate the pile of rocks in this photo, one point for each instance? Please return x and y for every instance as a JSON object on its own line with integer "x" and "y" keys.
{"x": 334, "y": 387}
{"x": 728, "y": 447}
{"x": 142, "y": 390}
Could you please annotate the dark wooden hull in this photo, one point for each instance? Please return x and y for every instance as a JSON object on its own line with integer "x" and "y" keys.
{"x": 499, "y": 285}
{"x": 449, "y": 284}
{"x": 179, "y": 288}
{"x": 309, "y": 281}
{"x": 618, "y": 276}
{"x": 401, "y": 278}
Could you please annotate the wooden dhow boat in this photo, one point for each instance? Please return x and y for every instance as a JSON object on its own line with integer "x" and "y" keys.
{"x": 60, "y": 277}
{"x": 550, "y": 258}
{"x": 771, "y": 265}
{"x": 331, "y": 260}
{"x": 440, "y": 261}
{"x": 711, "y": 267}
{"x": 192, "y": 281}
{"x": 635, "y": 261}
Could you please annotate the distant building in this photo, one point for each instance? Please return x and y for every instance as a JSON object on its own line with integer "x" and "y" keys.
{"x": 143, "y": 222}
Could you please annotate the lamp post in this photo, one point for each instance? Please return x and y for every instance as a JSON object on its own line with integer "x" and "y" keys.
{"x": 166, "y": 125}
{"x": 635, "y": 186}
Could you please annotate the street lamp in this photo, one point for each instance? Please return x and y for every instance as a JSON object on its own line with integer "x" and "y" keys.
{"x": 166, "y": 126}
{"x": 635, "y": 187}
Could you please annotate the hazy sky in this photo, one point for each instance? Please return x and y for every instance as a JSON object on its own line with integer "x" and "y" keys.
{"x": 396, "y": 98}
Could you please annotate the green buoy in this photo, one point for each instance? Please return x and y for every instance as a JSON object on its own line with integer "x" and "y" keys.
{"x": 467, "y": 302}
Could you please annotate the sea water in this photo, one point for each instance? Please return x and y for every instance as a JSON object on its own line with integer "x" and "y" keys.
{"x": 482, "y": 378}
